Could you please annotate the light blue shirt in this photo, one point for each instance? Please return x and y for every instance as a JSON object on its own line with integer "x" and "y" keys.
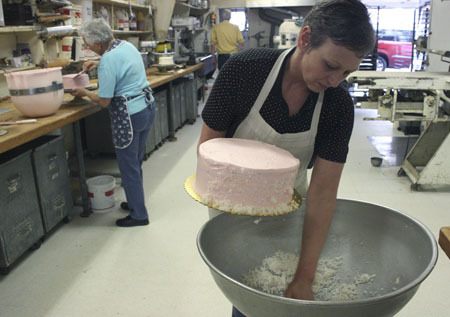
{"x": 121, "y": 72}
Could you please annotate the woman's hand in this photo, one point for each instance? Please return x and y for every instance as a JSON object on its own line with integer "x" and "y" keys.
{"x": 87, "y": 66}
{"x": 79, "y": 92}
{"x": 299, "y": 290}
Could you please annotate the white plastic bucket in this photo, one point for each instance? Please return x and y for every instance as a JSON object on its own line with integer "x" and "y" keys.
{"x": 101, "y": 191}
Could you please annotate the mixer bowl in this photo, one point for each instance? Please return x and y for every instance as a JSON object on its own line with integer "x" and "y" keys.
{"x": 399, "y": 250}
{"x": 36, "y": 93}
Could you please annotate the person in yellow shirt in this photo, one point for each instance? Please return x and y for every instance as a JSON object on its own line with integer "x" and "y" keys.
{"x": 226, "y": 38}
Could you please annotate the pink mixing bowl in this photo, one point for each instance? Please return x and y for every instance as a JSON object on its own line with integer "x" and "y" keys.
{"x": 36, "y": 93}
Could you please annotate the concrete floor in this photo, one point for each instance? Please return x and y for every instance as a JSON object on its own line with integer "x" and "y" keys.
{"x": 89, "y": 267}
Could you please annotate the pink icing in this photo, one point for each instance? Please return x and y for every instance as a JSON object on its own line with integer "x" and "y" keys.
{"x": 245, "y": 176}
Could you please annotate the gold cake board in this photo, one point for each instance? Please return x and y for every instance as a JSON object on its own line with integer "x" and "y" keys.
{"x": 295, "y": 203}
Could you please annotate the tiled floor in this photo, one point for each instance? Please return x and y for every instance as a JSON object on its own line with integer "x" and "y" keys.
{"x": 89, "y": 267}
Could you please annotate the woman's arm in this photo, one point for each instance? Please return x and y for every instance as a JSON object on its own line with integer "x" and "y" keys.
{"x": 207, "y": 133}
{"x": 81, "y": 92}
{"x": 89, "y": 65}
{"x": 320, "y": 206}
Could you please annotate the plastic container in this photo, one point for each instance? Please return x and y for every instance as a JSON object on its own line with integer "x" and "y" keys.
{"x": 101, "y": 191}
{"x": 66, "y": 47}
{"x": 376, "y": 161}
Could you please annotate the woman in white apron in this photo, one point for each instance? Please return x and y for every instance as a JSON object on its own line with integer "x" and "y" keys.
{"x": 125, "y": 91}
{"x": 298, "y": 85}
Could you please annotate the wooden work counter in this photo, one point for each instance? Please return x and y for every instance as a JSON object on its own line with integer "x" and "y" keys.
{"x": 444, "y": 240}
{"x": 22, "y": 133}
{"x": 68, "y": 113}
{"x": 157, "y": 78}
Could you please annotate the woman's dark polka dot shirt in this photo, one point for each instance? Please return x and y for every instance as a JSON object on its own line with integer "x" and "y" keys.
{"x": 238, "y": 85}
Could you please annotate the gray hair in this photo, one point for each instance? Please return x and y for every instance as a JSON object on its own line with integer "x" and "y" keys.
{"x": 96, "y": 31}
{"x": 225, "y": 15}
{"x": 345, "y": 22}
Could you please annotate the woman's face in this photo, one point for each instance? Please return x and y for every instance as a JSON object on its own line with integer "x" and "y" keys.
{"x": 325, "y": 66}
{"x": 96, "y": 48}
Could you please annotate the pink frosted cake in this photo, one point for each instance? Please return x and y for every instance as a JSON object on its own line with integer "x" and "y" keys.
{"x": 245, "y": 176}
{"x": 72, "y": 82}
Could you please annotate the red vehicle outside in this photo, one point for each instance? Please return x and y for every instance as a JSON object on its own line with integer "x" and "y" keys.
{"x": 394, "y": 51}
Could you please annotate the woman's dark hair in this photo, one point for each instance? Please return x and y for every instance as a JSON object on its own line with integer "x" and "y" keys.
{"x": 345, "y": 22}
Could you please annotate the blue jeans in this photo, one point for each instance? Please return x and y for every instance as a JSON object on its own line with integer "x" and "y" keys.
{"x": 130, "y": 160}
{"x": 237, "y": 313}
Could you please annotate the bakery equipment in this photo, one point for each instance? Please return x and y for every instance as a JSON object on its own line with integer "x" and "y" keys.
{"x": 287, "y": 34}
{"x": 401, "y": 256}
{"x": 60, "y": 30}
{"x": 187, "y": 37}
{"x": 36, "y": 93}
{"x": 404, "y": 96}
{"x": 418, "y": 97}
{"x": 162, "y": 47}
{"x": 146, "y": 48}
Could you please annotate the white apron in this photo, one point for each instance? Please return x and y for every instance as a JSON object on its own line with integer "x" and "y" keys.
{"x": 301, "y": 144}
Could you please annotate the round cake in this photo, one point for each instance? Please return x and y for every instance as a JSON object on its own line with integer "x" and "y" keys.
{"x": 73, "y": 81}
{"x": 245, "y": 176}
{"x": 165, "y": 60}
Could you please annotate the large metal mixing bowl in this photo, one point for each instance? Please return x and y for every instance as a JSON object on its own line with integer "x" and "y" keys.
{"x": 370, "y": 238}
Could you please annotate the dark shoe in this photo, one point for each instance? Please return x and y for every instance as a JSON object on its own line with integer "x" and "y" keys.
{"x": 130, "y": 222}
{"x": 124, "y": 206}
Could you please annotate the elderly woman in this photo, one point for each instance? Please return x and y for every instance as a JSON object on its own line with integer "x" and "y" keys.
{"x": 125, "y": 91}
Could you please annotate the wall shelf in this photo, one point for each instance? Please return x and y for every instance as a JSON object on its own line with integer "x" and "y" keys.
{"x": 118, "y": 32}
{"x": 53, "y": 18}
{"x": 21, "y": 28}
{"x": 122, "y": 3}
